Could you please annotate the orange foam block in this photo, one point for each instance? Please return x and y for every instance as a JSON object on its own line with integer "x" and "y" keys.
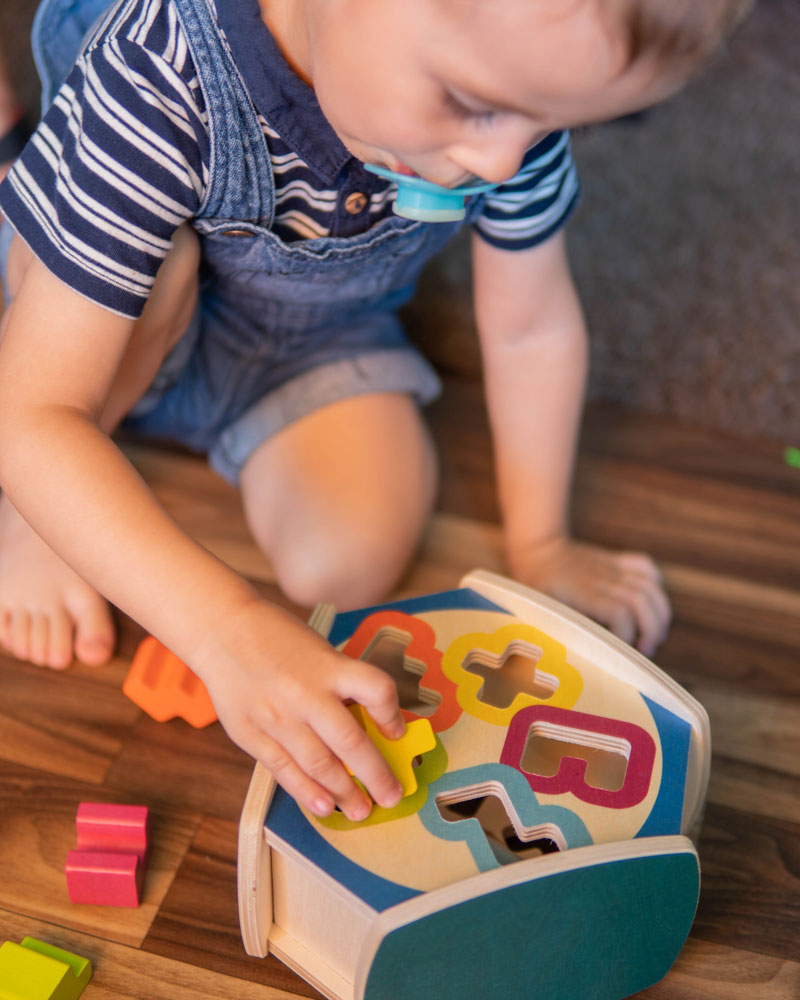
{"x": 108, "y": 865}
{"x": 164, "y": 687}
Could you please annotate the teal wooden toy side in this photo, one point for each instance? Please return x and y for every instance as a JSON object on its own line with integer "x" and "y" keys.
{"x": 602, "y": 930}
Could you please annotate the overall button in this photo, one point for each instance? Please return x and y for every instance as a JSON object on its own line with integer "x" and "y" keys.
{"x": 355, "y": 203}
{"x": 238, "y": 232}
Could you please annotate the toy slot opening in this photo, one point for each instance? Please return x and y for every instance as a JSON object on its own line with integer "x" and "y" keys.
{"x": 606, "y": 756}
{"x": 513, "y": 672}
{"x": 507, "y": 837}
{"x": 387, "y": 650}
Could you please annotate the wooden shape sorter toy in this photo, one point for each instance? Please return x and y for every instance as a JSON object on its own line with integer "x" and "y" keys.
{"x": 541, "y": 850}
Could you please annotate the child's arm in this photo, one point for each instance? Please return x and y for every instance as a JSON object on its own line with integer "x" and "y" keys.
{"x": 279, "y": 689}
{"x": 534, "y": 347}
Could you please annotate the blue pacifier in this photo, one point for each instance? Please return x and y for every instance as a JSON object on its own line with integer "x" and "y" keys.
{"x": 425, "y": 201}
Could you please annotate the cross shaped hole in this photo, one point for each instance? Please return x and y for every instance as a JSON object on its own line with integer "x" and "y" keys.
{"x": 507, "y": 840}
{"x": 513, "y": 672}
{"x": 606, "y": 756}
{"x": 387, "y": 650}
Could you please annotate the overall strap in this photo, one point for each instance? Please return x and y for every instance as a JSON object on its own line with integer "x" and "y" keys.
{"x": 241, "y": 185}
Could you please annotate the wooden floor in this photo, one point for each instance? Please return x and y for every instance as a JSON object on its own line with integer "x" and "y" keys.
{"x": 723, "y": 517}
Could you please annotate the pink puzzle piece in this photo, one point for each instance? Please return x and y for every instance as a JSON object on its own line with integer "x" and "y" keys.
{"x": 104, "y": 879}
{"x": 107, "y": 827}
{"x": 108, "y": 865}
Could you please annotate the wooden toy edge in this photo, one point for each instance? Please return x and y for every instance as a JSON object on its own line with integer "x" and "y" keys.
{"x": 253, "y": 872}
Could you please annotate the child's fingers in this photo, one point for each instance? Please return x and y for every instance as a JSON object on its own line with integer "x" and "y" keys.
{"x": 639, "y": 564}
{"x": 289, "y": 775}
{"x": 617, "y": 617}
{"x": 649, "y": 614}
{"x": 342, "y": 733}
{"x": 316, "y": 759}
{"x": 377, "y": 692}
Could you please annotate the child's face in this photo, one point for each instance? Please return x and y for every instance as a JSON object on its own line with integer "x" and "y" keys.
{"x": 454, "y": 89}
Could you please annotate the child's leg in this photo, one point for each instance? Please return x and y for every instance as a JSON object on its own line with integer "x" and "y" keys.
{"x": 338, "y": 500}
{"x": 47, "y": 613}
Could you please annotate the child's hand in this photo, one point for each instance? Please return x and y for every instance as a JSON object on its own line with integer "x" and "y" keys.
{"x": 280, "y": 691}
{"x": 621, "y": 590}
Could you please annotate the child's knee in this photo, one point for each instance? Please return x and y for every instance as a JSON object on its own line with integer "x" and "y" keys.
{"x": 350, "y": 567}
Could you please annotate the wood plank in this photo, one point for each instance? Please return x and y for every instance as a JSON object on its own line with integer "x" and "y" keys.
{"x": 208, "y": 935}
{"x": 83, "y": 727}
{"x": 765, "y": 792}
{"x": 37, "y": 831}
{"x": 747, "y": 608}
{"x": 183, "y": 768}
{"x": 124, "y": 973}
{"x": 696, "y": 652}
{"x": 708, "y": 971}
{"x": 750, "y": 892}
{"x": 713, "y": 525}
{"x": 610, "y": 434}
{"x": 758, "y": 729}
{"x": 613, "y": 431}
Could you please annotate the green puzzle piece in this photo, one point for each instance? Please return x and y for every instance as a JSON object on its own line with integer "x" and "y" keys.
{"x": 34, "y": 970}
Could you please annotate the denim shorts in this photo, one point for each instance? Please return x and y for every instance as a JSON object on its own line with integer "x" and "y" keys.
{"x": 318, "y": 383}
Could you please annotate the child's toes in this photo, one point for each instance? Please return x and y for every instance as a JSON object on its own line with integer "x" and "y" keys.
{"x": 19, "y": 634}
{"x": 94, "y": 632}
{"x": 38, "y": 638}
{"x": 5, "y": 628}
{"x": 59, "y": 653}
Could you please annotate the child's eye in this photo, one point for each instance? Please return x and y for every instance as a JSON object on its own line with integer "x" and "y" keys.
{"x": 462, "y": 111}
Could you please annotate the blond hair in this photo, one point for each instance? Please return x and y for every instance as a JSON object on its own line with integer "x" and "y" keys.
{"x": 680, "y": 33}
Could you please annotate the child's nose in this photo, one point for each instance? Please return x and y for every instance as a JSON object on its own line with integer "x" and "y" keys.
{"x": 496, "y": 163}
{"x": 496, "y": 158}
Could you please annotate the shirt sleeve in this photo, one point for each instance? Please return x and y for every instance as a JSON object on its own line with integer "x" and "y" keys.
{"x": 536, "y": 202}
{"x": 116, "y": 165}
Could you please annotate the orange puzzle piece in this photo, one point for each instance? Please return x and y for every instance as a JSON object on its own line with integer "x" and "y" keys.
{"x": 165, "y": 687}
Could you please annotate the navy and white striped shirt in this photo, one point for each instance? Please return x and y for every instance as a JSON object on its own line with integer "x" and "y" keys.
{"x": 122, "y": 157}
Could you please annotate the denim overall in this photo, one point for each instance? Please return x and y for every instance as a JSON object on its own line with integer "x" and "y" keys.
{"x": 282, "y": 329}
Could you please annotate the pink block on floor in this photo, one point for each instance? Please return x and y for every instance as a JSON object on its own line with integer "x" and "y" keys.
{"x": 105, "y": 826}
{"x": 104, "y": 878}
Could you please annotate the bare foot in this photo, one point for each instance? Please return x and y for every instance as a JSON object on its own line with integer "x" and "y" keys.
{"x": 48, "y": 615}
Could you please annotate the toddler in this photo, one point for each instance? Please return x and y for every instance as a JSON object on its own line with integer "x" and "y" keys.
{"x": 193, "y": 245}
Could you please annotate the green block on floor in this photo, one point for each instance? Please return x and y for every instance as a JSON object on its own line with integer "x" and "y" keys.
{"x": 35, "y": 970}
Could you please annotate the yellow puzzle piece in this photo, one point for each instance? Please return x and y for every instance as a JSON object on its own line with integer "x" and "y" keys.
{"x": 418, "y": 739}
{"x": 34, "y": 970}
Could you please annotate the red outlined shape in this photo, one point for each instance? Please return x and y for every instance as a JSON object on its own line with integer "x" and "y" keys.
{"x": 571, "y": 775}
{"x": 421, "y": 651}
